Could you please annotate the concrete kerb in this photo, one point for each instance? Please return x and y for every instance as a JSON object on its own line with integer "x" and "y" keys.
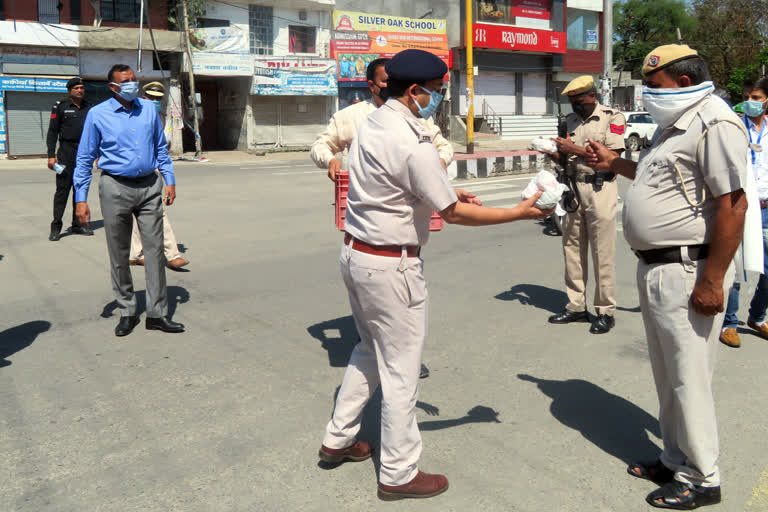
{"x": 497, "y": 163}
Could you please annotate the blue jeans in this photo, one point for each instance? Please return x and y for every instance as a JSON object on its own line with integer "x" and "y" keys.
{"x": 731, "y": 320}
{"x": 759, "y": 302}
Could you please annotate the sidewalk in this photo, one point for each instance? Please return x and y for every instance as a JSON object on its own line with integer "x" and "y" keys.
{"x": 495, "y": 157}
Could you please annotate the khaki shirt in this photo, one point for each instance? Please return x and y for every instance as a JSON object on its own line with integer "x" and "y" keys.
{"x": 343, "y": 127}
{"x": 395, "y": 179}
{"x": 605, "y": 126}
{"x": 656, "y": 211}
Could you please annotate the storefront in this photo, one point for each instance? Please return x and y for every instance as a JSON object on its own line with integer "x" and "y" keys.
{"x": 518, "y": 46}
{"x": 292, "y": 99}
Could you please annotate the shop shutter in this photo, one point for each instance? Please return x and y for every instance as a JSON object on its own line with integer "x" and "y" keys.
{"x": 265, "y": 119}
{"x": 534, "y": 93}
{"x": 497, "y": 88}
{"x": 27, "y": 117}
{"x": 302, "y": 118}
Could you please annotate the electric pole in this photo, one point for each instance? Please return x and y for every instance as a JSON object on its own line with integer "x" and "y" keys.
{"x": 607, "y": 51}
{"x": 470, "y": 79}
{"x": 193, "y": 96}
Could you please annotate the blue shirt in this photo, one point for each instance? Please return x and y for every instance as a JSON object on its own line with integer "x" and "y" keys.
{"x": 128, "y": 143}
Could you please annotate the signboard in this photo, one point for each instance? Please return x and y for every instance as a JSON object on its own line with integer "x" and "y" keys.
{"x": 515, "y": 38}
{"x": 37, "y": 34}
{"x": 220, "y": 51}
{"x": 364, "y": 22}
{"x": 38, "y": 55}
{"x": 360, "y": 38}
{"x": 592, "y": 37}
{"x": 295, "y": 77}
{"x": 536, "y": 9}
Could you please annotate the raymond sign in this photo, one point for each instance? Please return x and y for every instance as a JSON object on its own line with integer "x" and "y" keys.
{"x": 360, "y": 38}
{"x": 514, "y": 38}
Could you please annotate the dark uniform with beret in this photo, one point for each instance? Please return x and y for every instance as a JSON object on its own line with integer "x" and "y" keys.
{"x": 66, "y": 126}
{"x": 395, "y": 181}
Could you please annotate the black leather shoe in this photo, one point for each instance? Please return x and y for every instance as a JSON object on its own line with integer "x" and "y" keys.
{"x": 80, "y": 230}
{"x": 602, "y": 324}
{"x": 54, "y": 236}
{"x": 125, "y": 325}
{"x": 424, "y": 373}
{"x": 568, "y": 316}
{"x": 164, "y": 324}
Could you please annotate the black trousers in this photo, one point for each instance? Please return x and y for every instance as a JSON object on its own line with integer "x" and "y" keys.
{"x": 67, "y": 156}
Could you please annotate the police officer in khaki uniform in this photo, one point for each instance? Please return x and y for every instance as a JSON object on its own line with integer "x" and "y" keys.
{"x": 343, "y": 127}
{"x": 395, "y": 181}
{"x": 683, "y": 216}
{"x": 593, "y": 224}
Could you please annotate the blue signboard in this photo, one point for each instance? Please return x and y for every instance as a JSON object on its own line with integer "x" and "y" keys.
{"x": 317, "y": 78}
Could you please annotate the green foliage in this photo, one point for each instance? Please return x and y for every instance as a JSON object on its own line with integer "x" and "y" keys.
{"x": 749, "y": 72}
{"x": 642, "y": 25}
{"x": 195, "y": 9}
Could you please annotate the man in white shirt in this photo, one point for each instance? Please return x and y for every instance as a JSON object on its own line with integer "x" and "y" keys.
{"x": 755, "y": 120}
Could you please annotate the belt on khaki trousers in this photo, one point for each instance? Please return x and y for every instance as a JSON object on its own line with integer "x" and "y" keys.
{"x": 392, "y": 251}
{"x": 672, "y": 254}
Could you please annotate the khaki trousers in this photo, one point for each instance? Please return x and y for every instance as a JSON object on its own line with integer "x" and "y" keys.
{"x": 682, "y": 346}
{"x": 388, "y": 297}
{"x": 593, "y": 226}
{"x": 170, "y": 246}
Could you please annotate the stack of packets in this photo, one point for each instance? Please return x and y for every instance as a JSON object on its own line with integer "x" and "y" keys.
{"x": 551, "y": 191}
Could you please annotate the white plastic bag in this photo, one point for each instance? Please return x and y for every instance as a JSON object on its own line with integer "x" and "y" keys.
{"x": 543, "y": 145}
{"x": 551, "y": 190}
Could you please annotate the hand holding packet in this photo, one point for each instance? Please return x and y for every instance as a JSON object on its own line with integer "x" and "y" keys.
{"x": 543, "y": 145}
{"x": 551, "y": 190}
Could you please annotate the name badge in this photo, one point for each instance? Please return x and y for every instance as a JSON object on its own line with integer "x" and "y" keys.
{"x": 757, "y": 148}
{"x": 69, "y": 111}
{"x": 425, "y": 138}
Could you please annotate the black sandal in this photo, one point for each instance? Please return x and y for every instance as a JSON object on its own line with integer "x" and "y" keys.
{"x": 673, "y": 495}
{"x": 654, "y": 471}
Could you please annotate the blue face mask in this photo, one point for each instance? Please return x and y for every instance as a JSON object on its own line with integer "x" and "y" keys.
{"x": 753, "y": 108}
{"x": 129, "y": 91}
{"x": 158, "y": 105}
{"x": 435, "y": 98}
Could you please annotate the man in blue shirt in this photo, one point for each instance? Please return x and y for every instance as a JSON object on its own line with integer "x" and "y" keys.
{"x": 126, "y": 135}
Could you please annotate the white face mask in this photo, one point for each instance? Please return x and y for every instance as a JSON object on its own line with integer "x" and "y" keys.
{"x": 667, "y": 105}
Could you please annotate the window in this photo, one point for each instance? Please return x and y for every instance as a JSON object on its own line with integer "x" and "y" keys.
{"x": 583, "y": 30}
{"x": 48, "y": 11}
{"x": 301, "y": 39}
{"x": 121, "y": 11}
{"x": 210, "y": 22}
{"x": 261, "y": 32}
{"x": 493, "y": 11}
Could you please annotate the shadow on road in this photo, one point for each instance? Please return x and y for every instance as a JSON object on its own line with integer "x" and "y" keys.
{"x": 537, "y": 296}
{"x": 338, "y": 337}
{"x": 613, "y": 424}
{"x": 95, "y": 224}
{"x": 20, "y": 337}
{"x": 477, "y": 414}
{"x": 176, "y": 295}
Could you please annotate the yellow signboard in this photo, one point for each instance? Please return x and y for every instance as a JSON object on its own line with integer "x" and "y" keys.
{"x": 364, "y": 22}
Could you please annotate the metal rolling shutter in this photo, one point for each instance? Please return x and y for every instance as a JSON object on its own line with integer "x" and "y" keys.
{"x": 299, "y": 128}
{"x": 265, "y": 119}
{"x": 27, "y": 118}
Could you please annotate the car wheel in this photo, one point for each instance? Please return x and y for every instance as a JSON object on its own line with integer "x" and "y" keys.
{"x": 633, "y": 142}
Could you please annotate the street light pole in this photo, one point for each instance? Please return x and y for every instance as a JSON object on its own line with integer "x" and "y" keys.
{"x": 607, "y": 51}
{"x": 198, "y": 140}
{"x": 469, "y": 38}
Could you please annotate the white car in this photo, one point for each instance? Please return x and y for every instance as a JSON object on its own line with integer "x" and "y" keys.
{"x": 640, "y": 129}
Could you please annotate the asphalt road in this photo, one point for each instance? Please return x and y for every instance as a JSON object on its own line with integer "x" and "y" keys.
{"x": 520, "y": 415}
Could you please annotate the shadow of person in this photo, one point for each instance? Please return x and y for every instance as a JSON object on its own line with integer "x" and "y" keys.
{"x": 537, "y": 296}
{"x": 477, "y": 414}
{"x": 176, "y": 295}
{"x": 613, "y": 424}
{"x": 20, "y": 337}
{"x": 93, "y": 225}
{"x": 339, "y": 337}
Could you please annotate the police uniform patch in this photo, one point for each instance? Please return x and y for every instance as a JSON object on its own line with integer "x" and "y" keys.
{"x": 618, "y": 129}
{"x": 653, "y": 61}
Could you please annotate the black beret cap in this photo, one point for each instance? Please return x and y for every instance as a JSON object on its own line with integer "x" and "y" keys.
{"x": 415, "y": 66}
{"x": 73, "y": 82}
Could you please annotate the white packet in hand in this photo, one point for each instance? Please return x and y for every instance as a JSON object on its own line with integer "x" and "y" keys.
{"x": 543, "y": 145}
{"x": 551, "y": 190}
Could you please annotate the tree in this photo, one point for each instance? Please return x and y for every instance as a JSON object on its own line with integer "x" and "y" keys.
{"x": 642, "y": 25}
{"x": 730, "y": 35}
{"x": 195, "y": 9}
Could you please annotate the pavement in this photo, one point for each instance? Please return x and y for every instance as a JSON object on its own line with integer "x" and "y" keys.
{"x": 228, "y": 416}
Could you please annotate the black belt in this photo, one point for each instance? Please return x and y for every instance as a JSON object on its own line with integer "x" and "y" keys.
{"x": 597, "y": 177}
{"x": 672, "y": 254}
{"x": 126, "y": 178}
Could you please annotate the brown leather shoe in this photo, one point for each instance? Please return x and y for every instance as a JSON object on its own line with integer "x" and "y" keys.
{"x": 177, "y": 263}
{"x": 139, "y": 261}
{"x": 423, "y": 486}
{"x": 762, "y": 329}
{"x": 730, "y": 337}
{"x": 355, "y": 453}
